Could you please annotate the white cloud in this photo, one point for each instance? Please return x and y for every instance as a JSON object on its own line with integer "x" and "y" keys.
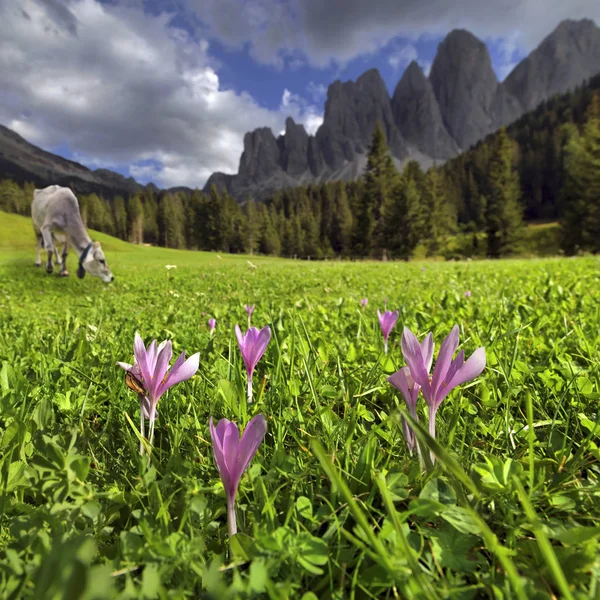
{"x": 402, "y": 57}
{"x": 328, "y": 32}
{"x": 301, "y": 111}
{"x": 317, "y": 91}
{"x": 117, "y": 86}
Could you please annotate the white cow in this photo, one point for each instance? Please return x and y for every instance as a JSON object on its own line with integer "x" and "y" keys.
{"x": 56, "y": 216}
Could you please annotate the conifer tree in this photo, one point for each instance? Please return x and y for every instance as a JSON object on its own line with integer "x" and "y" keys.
{"x": 135, "y": 220}
{"x": 580, "y": 194}
{"x": 503, "y": 216}
{"x": 341, "y": 222}
{"x": 120, "y": 217}
{"x": 401, "y": 216}
{"x": 379, "y": 180}
{"x": 439, "y": 217}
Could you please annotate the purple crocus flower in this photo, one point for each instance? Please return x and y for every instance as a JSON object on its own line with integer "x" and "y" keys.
{"x": 212, "y": 324}
{"x": 468, "y": 294}
{"x": 249, "y": 309}
{"x": 150, "y": 370}
{"x": 387, "y": 320}
{"x": 409, "y": 388}
{"x": 364, "y": 302}
{"x": 252, "y": 345}
{"x": 447, "y": 373}
{"x": 233, "y": 456}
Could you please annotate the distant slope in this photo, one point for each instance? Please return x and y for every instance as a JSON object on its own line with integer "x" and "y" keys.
{"x": 16, "y": 236}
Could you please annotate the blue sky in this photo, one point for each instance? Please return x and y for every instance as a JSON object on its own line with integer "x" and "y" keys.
{"x": 164, "y": 90}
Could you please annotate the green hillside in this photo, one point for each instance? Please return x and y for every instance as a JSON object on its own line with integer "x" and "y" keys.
{"x": 16, "y": 236}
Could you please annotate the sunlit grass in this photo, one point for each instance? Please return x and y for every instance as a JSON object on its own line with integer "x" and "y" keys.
{"x": 332, "y": 505}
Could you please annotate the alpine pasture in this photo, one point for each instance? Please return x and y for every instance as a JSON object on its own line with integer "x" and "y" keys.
{"x": 332, "y": 505}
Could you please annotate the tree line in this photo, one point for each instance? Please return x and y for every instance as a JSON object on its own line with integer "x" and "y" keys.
{"x": 546, "y": 165}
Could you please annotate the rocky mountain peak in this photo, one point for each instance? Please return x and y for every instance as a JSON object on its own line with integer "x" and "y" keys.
{"x": 417, "y": 115}
{"x": 465, "y": 86}
{"x": 260, "y": 158}
{"x": 294, "y": 148}
{"x": 563, "y": 60}
{"x": 351, "y": 111}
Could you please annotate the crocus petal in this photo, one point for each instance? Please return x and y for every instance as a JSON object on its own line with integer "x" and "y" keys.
{"x": 181, "y": 372}
{"x": 471, "y": 369}
{"x": 151, "y": 356}
{"x": 125, "y": 366}
{"x": 217, "y": 434}
{"x": 413, "y": 355}
{"x": 139, "y": 351}
{"x": 444, "y": 358}
{"x": 160, "y": 369}
{"x": 427, "y": 350}
{"x": 407, "y": 386}
{"x": 260, "y": 344}
{"x": 252, "y": 438}
{"x": 231, "y": 441}
{"x": 240, "y": 337}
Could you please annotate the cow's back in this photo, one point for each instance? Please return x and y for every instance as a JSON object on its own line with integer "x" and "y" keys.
{"x": 51, "y": 200}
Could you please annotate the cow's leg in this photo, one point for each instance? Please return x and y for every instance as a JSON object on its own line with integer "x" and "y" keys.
{"x": 63, "y": 266}
{"x": 40, "y": 245}
{"x": 49, "y": 246}
{"x": 56, "y": 253}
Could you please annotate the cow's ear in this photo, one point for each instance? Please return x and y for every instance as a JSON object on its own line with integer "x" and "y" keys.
{"x": 81, "y": 272}
{"x": 96, "y": 245}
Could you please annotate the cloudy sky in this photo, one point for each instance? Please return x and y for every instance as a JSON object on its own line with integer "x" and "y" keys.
{"x": 164, "y": 90}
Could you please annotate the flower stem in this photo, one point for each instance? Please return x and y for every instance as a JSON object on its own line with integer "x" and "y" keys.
{"x": 385, "y": 344}
{"x": 249, "y": 389}
{"x": 231, "y": 522}
{"x": 151, "y": 440}
{"x": 432, "y": 413}
{"x": 142, "y": 430}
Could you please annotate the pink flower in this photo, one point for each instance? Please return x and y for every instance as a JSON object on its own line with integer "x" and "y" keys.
{"x": 151, "y": 370}
{"x": 233, "y": 456}
{"x": 364, "y": 302}
{"x": 468, "y": 294}
{"x": 387, "y": 320}
{"x": 252, "y": 345}
{"x": 212, "y": 324}
{"x": 447, "y": 374}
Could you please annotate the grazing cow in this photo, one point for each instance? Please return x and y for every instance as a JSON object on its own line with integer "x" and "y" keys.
{"x": 56, "y": 217}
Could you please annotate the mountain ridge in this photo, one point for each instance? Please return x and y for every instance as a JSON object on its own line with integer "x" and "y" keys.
{"x": 428, "y": 119}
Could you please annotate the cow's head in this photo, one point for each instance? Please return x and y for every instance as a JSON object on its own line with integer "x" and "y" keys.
{"x": 94, "y": 263}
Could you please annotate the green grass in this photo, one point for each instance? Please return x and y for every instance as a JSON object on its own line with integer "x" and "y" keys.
{"x": 332, "y": 506}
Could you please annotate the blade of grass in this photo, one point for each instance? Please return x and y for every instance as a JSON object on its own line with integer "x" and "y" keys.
{"x": 543, "y": 541}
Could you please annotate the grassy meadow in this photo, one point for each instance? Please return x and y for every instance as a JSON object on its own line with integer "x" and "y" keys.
{"x": 332, "y": 506}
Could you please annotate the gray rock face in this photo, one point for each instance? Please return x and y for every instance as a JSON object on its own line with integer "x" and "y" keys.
{"x": 418, "y": 117}
{"x": 465, "y": 86}
{"x": 352, "y": 110}
{"x": 260, "y": 159}
{"x": 564, "y": 59}
{"x": 294, "y": 149}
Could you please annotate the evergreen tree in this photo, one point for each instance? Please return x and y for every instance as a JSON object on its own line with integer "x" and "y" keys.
{"x": 251, "y": 226}
{"x": 135, "y": 220}
{"x": 120, "y": 217}
{"x": 503, "y": 216}
{"x": 580, "y": 194}
{"x": 150, "y": 218}
{"x": 402, "y": 218}
{"x": 341, "y": 222}
{"x": 439, "y": 217}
